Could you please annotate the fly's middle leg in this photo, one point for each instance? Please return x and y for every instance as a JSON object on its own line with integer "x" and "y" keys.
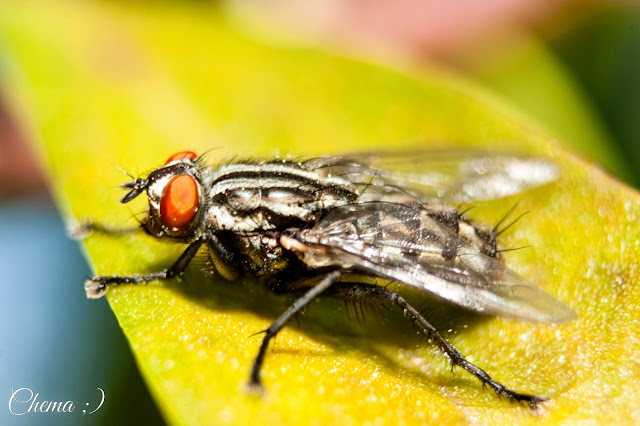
{"x": 367, "y": 293}
{"x": 270, "y": 333}
{"x": 97, "y": 287}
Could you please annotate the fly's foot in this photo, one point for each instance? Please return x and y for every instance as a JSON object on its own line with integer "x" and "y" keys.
{"x": 79, "y": 230}
{"x": 501, "y": 390}
{"x": 95, "y": 289}
{"x": 255, "y": 388}
{"x": 531, "y": 400}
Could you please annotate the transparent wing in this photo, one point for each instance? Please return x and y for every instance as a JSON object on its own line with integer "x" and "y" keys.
{"x": 402, "y": 243}
{"x": 458, "y": 175}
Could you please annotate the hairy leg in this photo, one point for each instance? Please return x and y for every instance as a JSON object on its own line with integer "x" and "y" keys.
{"x": 367, "y": 293}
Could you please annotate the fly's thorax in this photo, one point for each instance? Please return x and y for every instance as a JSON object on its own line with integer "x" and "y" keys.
{"x": 247, "y": 197}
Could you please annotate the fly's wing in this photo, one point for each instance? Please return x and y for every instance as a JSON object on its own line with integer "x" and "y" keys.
{"x": 454, "y": 175}
{"x": 403, "y": 243}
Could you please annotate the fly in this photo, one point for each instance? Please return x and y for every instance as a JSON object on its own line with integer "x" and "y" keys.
{"x": 305, "y": 226}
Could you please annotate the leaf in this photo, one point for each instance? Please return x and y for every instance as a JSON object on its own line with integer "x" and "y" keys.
{"x": 99, "y": 85}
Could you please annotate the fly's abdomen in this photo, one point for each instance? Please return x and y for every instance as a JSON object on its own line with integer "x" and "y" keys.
{"x": 483, "y": 239}
{"x": 403, "y": 238}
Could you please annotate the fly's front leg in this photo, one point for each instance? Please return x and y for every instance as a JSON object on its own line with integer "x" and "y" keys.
{"x": 97, "y": 287}
{"x": 80, "y": 230}
{"x": 377, "y": 295}
{"x": 274, "y": 328}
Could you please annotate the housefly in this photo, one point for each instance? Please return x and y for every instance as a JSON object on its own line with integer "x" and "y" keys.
{"x": 306, "y": 226}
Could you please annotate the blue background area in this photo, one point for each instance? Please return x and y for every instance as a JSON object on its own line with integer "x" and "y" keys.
{"x": 46, "y": 322}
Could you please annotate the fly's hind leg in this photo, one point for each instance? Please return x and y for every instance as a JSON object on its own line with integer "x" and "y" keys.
{"x": 97, "y": 287}
{"x": 368, "y": 293}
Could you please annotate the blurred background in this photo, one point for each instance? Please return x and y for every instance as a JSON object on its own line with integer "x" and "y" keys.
{"x": 571, "y": 65}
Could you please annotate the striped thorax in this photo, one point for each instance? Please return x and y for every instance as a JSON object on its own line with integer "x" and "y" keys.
{"x": 267, "y": 196}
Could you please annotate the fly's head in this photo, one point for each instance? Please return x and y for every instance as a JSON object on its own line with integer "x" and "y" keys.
{"x": 175, "y": 193}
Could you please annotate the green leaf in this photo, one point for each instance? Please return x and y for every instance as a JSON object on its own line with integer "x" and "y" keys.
{"x": 98, "y": 85}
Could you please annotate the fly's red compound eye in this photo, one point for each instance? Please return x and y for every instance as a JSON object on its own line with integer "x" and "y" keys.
{"x": 179, "y": 204}
{"x": 189, "y": 155}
